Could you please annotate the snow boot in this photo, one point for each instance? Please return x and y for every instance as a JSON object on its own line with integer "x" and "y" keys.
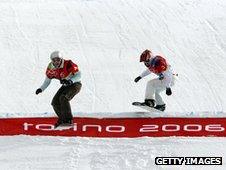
{"x": 160, "y": 107}
{"x": 58, "y": 123}
{"x": 68, "y": 122}
{"x": 148, "y": 102}
{"x": 63, "y": 123}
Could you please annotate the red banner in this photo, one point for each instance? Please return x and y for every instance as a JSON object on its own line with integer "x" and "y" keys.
{"x": 117, "y": 127}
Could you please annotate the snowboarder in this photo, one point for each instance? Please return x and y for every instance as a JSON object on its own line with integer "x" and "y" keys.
{"x": 69, "y": 75}
{"x": 157, "y": 65}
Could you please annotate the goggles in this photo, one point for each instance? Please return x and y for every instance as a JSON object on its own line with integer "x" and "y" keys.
{"x": 57, "y": 59}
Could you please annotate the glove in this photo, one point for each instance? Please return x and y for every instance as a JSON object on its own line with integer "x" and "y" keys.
{"x": 161, "y": 76}
{"x": 38, "y": 91}
{"x": 66, "y": 82}
{"x": 168, "y": 91}
{"x": 137, "y": 79}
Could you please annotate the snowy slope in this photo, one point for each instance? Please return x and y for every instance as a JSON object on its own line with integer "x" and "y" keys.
{"x": 105, "y": 38}
{"x": 44, "y": 153}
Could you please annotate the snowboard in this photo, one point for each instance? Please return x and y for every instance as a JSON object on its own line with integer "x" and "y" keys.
{"x": 150, "y": 109}
{"x": 64, "y": 126}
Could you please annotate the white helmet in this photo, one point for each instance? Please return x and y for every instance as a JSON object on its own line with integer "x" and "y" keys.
{"x": 55, "y": 54}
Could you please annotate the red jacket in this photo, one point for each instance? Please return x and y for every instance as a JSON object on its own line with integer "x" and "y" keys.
{"x": 66, "y": 68}
{"x": 157, "y": 64}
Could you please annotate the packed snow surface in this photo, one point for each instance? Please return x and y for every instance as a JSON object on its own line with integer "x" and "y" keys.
{"x": 105, "y": 38}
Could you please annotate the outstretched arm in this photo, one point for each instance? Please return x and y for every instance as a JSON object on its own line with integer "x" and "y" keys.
{"x": 76, "y": 77}
{"x": 46, "y": 83}
{"x": 145, "y": 73}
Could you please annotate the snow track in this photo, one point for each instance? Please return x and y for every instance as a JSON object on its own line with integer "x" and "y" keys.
{"x": 36, "y": 153}
{"x": 105, "y": 38}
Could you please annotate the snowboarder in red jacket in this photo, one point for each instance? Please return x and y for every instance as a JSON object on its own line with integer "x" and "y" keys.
{"x": 156, "y": 64}
{"x": 69, "y": 76}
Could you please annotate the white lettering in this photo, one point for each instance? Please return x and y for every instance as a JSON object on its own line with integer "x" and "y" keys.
{"x": 75, "y": 127}
{"x": 120, "y": 128}
{"x": 115, "y": 128}
{"x": 149, "y": 128}
{"x": 158, "y": 161}
{"x": 45, "y": 127}
{"x": 84, "y": 128}
{"x": 174, "y": 127}
{"x": 214, "y": 128}
{"x": 192, "y": 127}
{"x": 26, "y": 125}
{"x": 169, "y": 160}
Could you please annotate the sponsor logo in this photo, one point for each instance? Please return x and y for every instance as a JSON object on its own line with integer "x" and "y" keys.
{"x": 84, "y": 128}
{"x": 147, "y": 128}
{"x": 117, "y": 127}
{"x": 62, "y": 75}
{"x": 186, "y": 127}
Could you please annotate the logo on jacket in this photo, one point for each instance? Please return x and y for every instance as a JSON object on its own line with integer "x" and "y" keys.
{"x": 62, "y": 75}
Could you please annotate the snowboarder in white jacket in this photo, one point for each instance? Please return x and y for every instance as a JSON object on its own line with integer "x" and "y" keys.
{"x": 156, "y": 64}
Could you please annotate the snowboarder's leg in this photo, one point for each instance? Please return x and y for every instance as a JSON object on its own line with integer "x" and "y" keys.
{"x": 160, "y": 105}
{"x": 153, "y": 90}
{"x": 65, "y": 109}
{"x": 56, "y": 102}
{"x": 150, "y": 89}
{"x": 150, "y": 92}
{"x": 68, "y": 94}
{"x": 158, "y": 97}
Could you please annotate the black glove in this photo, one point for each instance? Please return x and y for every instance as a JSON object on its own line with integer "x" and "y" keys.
{"x": 38, "y": 91}
{"x": 161, "y": 76}
{"x": 66, "y": 82}
{"x": 137, "y": 79}
{"x": 168, "y": 91}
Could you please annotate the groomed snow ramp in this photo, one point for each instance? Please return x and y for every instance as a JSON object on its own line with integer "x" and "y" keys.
{"x": 118, "y": 127}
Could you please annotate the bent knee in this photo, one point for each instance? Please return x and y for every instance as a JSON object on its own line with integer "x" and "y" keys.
{"x": 63, "y": 98}
{"x": 154, "y": 83}
{"x": 55, "y": 102}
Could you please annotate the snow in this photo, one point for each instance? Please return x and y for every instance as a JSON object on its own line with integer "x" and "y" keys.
{"x": 105, "y": 39}
{"x": 85, "y": 153}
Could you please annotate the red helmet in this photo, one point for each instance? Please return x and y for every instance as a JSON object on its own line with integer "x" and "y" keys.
{"x": 145, "y": 56}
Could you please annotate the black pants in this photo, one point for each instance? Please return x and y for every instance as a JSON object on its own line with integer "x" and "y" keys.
{"x": 61, "y": 100}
